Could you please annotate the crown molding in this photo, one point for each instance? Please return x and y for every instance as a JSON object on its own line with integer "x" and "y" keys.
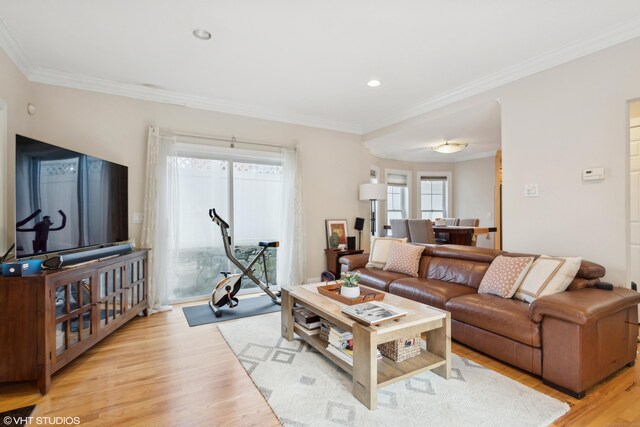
{"x": 18, "y": 55}
{"x": 545, "y": 61}
{"x": 457, "y": 159}
{"x": 74, "y": 81}
{"x": 14, "y": 49}
{"x": 475, "y": 156}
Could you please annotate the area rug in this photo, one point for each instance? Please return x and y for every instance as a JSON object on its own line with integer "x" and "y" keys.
{"x": 306, "y": 389}
{"x": 17, "y": 417}
{"x": 202, "y": 314}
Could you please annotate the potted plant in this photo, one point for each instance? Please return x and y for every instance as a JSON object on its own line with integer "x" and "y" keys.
{"x": 349, "y": 287}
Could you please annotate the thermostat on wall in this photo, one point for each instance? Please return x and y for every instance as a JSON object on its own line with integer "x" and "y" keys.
{"x": 592, "y": 174}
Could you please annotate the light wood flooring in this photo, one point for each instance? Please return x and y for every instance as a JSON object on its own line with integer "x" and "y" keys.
{"x": 158, "y": 371}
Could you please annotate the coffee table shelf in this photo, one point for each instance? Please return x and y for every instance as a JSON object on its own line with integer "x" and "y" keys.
{"x": 368, "y": 372}
{"x": 389, "y": 371}
{"x": 319, "y": 344}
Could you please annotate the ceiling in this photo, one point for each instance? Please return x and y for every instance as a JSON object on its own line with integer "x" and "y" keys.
{"x": 478, "y": 126}
{"x": 307, "y": 62}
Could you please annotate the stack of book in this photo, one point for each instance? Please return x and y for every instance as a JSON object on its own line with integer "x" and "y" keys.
{"x": 341, "y": 344}
{"x": 306, "y": 318}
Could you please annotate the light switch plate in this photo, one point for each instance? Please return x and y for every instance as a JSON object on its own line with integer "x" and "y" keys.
{"x": 531, "y": 190}
{"x": 138, "y": 218}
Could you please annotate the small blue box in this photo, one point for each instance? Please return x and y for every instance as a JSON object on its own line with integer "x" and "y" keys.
{"x": 22, "y": 268}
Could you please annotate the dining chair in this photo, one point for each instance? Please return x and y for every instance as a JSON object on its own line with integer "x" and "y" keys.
{"x": 451, "y": 221}
{"x": 468, "y": 222}
{"x": 421, "y": 231}
{"x": 400, "y": 229}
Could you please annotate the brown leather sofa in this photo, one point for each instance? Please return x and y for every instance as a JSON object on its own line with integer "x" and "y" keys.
{"x": 573, "y": 339}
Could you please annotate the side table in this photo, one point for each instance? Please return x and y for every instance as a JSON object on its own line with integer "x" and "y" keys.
{"x": 333, "y": 255}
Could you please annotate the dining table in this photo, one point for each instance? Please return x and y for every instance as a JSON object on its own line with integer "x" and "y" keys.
{"x": 461, "y": 235}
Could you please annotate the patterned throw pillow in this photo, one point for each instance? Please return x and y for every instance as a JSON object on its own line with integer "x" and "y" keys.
{"x": 380, "y": 251}
{"x": 548, "y": 275}
{"x": 404, "y": 258}
{"x": 504, "y": 275}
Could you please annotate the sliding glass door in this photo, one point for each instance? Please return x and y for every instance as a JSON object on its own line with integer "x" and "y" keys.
{"x": 246, "y": 192}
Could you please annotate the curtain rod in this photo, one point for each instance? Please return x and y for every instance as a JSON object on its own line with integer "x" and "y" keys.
{"x": 233, "y": 140}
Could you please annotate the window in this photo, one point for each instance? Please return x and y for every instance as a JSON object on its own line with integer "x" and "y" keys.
{"x": 433, "y": 197}
{"x": 397, "y": 197}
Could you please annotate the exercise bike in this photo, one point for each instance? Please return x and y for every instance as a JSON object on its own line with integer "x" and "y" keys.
{"x": 226, "y": 289}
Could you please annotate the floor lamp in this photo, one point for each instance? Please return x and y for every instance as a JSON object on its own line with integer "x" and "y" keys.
{"x": 373, "y": 193}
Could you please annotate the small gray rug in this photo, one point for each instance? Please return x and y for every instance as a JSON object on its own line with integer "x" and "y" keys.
{"x": 305, "y": 389}
{"x": 202, "y": 314}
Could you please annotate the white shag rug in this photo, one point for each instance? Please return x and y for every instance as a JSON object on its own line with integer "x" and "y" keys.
{"x": 305, "y": 389}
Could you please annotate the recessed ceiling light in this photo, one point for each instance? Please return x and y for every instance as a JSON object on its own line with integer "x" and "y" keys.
{"x": 373, "y": 83}
{"x": 201, "y": 34}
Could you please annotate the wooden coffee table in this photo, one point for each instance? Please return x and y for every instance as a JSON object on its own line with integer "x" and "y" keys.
{"x": 368, "y": 372}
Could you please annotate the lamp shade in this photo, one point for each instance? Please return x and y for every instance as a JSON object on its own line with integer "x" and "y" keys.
{"x": 373, "y": 192}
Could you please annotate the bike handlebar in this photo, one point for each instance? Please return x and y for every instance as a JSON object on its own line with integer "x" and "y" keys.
{"x": 216, "y": 218}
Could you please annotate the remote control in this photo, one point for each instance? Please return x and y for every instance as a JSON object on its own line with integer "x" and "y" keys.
{"x": 605, "y": 286}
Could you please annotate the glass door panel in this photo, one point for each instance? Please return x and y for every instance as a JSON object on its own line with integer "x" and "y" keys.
{"x": 257, "y": 197}
{"x": 202, "y": 184}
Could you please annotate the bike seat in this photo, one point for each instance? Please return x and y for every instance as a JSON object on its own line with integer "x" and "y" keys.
{"x": 269, "y": 244}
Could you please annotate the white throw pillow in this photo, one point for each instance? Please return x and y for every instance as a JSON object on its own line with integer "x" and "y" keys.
{"x": 380, "y": 251}
{"x": 548, "y": 275}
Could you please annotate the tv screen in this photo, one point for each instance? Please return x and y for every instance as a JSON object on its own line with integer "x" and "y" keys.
{"x": 67, "y": 200}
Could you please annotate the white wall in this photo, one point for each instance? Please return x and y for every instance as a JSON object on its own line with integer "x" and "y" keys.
{"x": 554, "y": 124}
{"x": 14, "y": 96}
{"x": 474, "y": 193}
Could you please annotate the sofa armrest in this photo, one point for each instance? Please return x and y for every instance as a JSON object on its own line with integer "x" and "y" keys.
{"x": 583, "y": 305}
{"x": 352, "y": 262}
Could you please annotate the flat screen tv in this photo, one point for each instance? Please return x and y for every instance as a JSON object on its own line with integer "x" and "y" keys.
{"x": 67, "y": 200}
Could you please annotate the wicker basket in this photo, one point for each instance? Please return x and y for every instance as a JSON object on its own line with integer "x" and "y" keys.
{"x": 401, "y": 349}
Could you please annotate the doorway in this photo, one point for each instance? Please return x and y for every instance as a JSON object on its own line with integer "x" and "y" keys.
{"x": 633, "y": 268}
{"x": 4, "y": 245}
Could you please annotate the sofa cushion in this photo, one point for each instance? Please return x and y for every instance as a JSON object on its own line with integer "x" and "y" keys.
{"x": 380, "y": 251}
{"x": 469, "y": 253}
{"x": 378, "y": 279}
{"x": 506, "y": 317}
{"x": 504, "y": 275}
{"x": 547, "y": 276}
{"x": 404, "y": 258}
{"x": 460, "y": 271}
{"x": 431, "y": 292}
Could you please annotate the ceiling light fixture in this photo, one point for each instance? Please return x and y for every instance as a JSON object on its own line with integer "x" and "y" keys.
{"x": 448, "y": 148}
{"x": 373, "y": 83}
{"x": 201, "y": 34}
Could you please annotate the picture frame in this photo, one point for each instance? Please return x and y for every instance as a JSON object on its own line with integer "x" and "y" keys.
{"x": 341, "y": 228}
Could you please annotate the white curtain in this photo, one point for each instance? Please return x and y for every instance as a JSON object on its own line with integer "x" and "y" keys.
{"x": 291, "y": 254}
{"x": 159, "y": 230}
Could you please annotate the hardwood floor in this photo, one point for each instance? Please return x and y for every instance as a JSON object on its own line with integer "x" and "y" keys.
{"x": 159, "y": 371}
